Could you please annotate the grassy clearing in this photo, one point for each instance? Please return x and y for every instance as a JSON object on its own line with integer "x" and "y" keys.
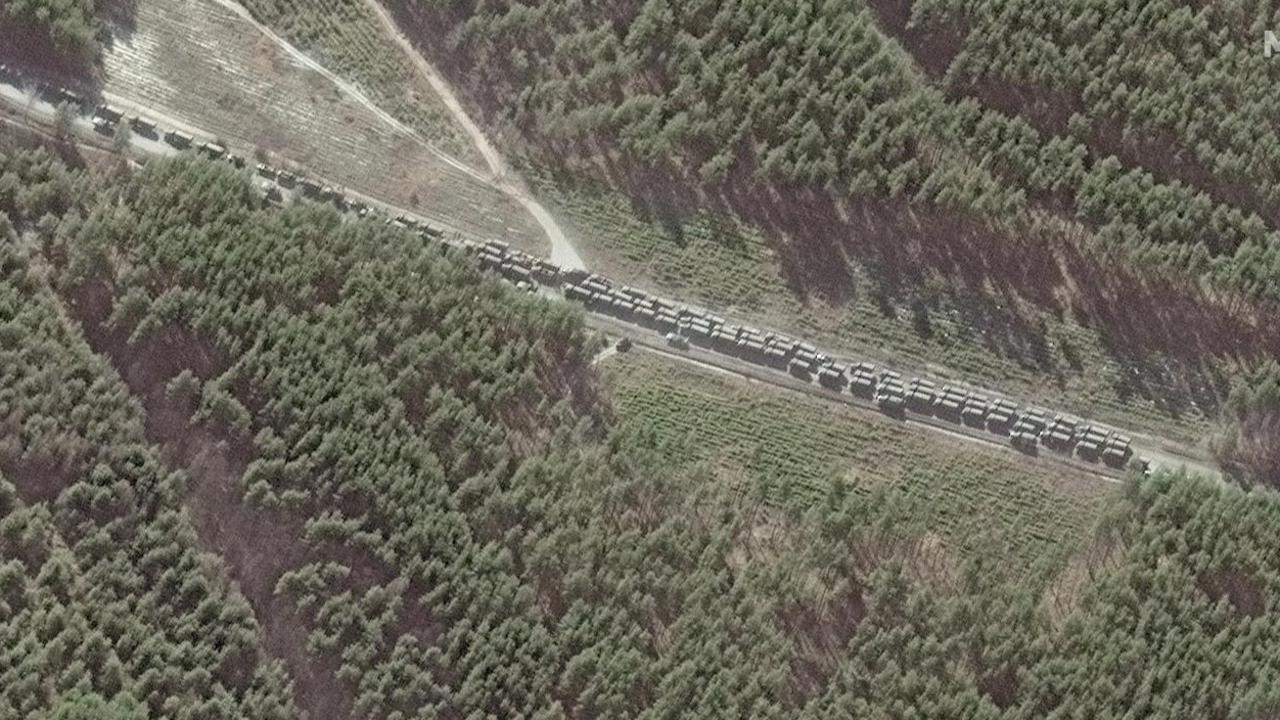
{"x": 202, "y": 64}
{"x": 796, "y": 446}
{"x": 345, "y": 37}
{"x": 725, "y": 264}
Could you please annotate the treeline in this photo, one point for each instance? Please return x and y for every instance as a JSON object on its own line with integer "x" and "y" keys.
{"x": 814, "y": 96}
{"x": 69, "y": 27}
{"x": 1191, "y": 81}
{"x": 470, "y": 534}
{"x": 107, "y": 607}
{"x": 1249, "y": 447}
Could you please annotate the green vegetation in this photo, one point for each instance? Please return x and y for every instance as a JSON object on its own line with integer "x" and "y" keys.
{"x": 816, "y": 96}
{"x": 790, "y": 449}
{"x": 827, "y": 163}
{"x": 419, "y": 484}
{"x": 345, "y": 36}
{"x": 1040, "y": 357}
{"x": 1249, "y": 448}
{"x": 1188, "y": 98}
{"x": 68, "y": 26}
{"x": 107, "y": 607}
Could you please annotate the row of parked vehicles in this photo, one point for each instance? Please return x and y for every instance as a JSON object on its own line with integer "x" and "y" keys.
{"x": 683, "y": 326}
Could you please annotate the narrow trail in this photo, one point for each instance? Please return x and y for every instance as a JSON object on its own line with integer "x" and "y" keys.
{"x": 499, "y": 176}
{"x": 562, "y": 251}
{"x": 353, "y": 91}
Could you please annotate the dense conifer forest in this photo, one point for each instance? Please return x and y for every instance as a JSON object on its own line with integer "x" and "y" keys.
{"x": 863, "y": 102}
{"x": 108, "y": 608}
{"x": 264, "y": 461}
{"x": 67, "y": 30}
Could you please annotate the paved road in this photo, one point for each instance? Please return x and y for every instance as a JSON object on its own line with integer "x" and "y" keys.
{"x": 32, "y": 107}
{"x": 1153, "y": 449}
{"x": 647, "y": 341}
{"x": 40, "y": 110}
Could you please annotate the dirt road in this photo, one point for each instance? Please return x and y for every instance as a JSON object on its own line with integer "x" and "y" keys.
{"x": 562, "y": 251}
{"x": 499, "y": 175}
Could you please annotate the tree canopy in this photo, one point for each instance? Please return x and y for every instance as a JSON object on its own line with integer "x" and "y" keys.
{"x": 70, "y": 27}
{"x": 426, "y": 509}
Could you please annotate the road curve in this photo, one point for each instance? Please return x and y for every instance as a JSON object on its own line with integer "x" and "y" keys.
{"x": 499, "y": 176}
{"x": 562, "y": 251}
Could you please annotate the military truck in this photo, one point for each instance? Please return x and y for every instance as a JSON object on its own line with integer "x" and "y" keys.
{"x": 891, "y": 396}
{"x": 212, "y": 150}
{"x": 575, "y": 276}
{"x": 950, "y": 403}
{"x": 1090, "y": 440}
{"x": 622, "y": 307}
{"x": 1117, "y": 450}
{"x": 666, "y": 321}
{"x": 310, "y": 188}
{"x": 70, "y": 96}
{"x": 974, "y": 413}
{"x": 833, "y": 377}
{"x": 1001, "y": 416}
{"x": 546, "y": 272}
{"x": 178, "y": 139}
{"x": 109, "y": 113}
{"x": 1059, "y": 434}
{"x": 920, "y": 395}
{"x": 800, "y": 369}
{"x": 271, "y": 193}
{"x": 1024, "y": 440}
{"x": 1031, "y": 421}
{"x": 751, "y": 350}
{"x": 862, "y": 380}
{"x": 144, "y": 126}
{"x": 644, "y": 313}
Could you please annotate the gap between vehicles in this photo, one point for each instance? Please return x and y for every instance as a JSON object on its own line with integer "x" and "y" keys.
{"x": 500, "y": 176}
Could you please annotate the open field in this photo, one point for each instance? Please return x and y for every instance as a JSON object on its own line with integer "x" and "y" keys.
{"x": 796, "y": 446}
{"x": 345, "y": 37}
{"x": 727, "y": 265}
{"x": 201, "y": 64}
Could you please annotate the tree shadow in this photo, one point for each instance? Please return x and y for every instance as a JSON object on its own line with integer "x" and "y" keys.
{"x": 1006, "y": 276}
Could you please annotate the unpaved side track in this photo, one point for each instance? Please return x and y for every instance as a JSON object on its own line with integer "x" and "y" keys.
{"x": 562, "y": 251}
{"x": 499, "y": 177}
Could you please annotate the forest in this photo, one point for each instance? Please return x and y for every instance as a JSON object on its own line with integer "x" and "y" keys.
{"x": 66, "y": 29}
{"x": 268, "y": 461}
{"x": 821, "y": 96}
{"x": 108, "y": 606}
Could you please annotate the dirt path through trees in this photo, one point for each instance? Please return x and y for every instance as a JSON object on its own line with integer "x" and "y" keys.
{"x": 562, "y": 251}
{"x": 499, "y": 176}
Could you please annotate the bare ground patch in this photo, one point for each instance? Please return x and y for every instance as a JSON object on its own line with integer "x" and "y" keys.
{"x": 1241, "y": 587}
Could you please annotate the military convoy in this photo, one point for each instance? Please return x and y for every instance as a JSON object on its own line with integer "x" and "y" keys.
{"x": 683, "y": 326}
